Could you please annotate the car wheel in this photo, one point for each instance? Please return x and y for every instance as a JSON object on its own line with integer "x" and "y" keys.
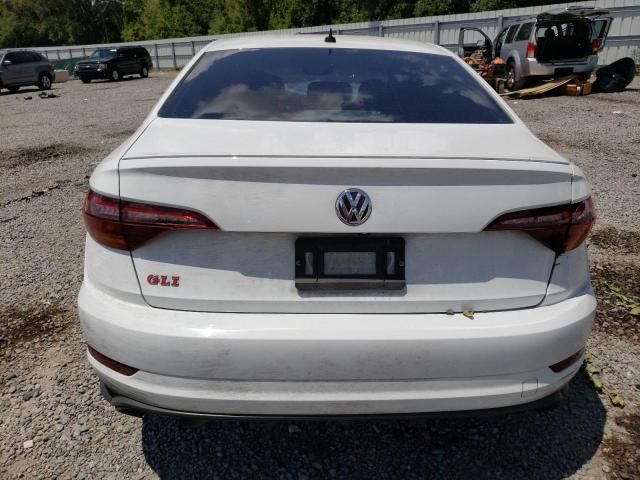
{"x": 13, "y": 89}
{"x": 114, "y": 76}
{"x": 144, "y": 72}
{"x": 85, "y": 80}
{"x": 44, "y": 81}
{"x": 513, "y": 82}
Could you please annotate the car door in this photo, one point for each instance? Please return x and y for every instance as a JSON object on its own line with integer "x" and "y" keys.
{"x": 466, "y": 49}
{"x": 129, "y": 62}
{"x": 507, "y": 46}
{"x": 32, "y": 64}
{"x": 522, "y": 38}
{"x": 499, "y": 42}
{"x": 14, "y": 69}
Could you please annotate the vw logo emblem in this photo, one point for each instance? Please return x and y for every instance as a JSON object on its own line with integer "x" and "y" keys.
{"x": 353, "y": 207}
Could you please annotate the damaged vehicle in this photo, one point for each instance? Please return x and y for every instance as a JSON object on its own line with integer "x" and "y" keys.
{"x": 554, "y": 44}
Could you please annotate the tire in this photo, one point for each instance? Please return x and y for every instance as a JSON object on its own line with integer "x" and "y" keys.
{"x": 513, "y": 82}
{"x": 13, "y": 89}
{"x": 85, "y": 80}
{"x": 144, "y": 71}
{"x": 114, "y": 75}
{"x": 44, "y": 81}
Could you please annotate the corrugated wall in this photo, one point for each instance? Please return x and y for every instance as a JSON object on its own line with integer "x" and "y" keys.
{"x": 623, "y": 40}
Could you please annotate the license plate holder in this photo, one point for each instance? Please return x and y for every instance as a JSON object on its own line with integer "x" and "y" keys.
{"x": 350, "y": 263}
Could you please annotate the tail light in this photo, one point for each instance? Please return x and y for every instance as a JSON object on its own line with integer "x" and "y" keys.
{"x": 127, "y": 225}
{"x": 561, "y": 228}
{"x": 531, "y": 50}
{"x": 595, "y": 45}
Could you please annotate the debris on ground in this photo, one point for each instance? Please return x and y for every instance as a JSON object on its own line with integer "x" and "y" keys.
{"x": 616, "y": 76}
{"x": 540, "y": 89}
{"x": 593, "y": 372}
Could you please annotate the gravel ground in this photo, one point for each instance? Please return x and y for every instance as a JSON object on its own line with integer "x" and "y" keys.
{"x": 53, "y": 422}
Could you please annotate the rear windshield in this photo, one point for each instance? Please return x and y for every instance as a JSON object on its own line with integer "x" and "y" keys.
{"x": 331, "y": 85}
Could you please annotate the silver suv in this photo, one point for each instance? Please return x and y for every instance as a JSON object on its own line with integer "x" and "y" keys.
{"x": 21, "y": 68}
{"x": 553, "y": 44}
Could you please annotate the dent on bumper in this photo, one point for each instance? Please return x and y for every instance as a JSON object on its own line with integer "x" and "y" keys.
{"x": 270, "y": 364}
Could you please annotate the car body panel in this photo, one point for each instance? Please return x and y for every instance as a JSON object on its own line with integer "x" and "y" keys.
{"x": 482, "y": 317}
{"x": 127, "y": 60}
{"x": 321, "y": 364}
{"x": 23, "y": 71}
{"x": 514, "y": 50}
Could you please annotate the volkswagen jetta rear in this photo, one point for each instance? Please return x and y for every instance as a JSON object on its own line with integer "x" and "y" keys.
{"x": 311, "y": 228}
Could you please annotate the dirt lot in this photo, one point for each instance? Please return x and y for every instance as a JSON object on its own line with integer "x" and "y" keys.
{"x": 53, "y": 422}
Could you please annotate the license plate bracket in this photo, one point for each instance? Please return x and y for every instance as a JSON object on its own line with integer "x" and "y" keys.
{"x": 350, "y": 263}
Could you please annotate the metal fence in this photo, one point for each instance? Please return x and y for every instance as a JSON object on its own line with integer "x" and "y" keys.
{"x": 623, "y": 40}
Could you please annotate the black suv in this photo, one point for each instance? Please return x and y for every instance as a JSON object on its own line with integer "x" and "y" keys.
{"x": 114, "y": 63}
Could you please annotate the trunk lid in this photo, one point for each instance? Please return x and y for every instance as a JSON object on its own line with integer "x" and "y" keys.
{"x": 427, "y": 184}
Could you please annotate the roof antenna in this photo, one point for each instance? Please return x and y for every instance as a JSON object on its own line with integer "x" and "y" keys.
{"x": 330, "y": 38}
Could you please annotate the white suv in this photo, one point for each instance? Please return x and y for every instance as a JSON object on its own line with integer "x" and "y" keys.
{"x": 304, "y": 227}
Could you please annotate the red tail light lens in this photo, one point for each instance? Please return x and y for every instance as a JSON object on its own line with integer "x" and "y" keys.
{"x": 595, "y": 45}
{"x": 561, "y": 228}
{"x": 127, "y": 225}
{"x": 531, "y": 50}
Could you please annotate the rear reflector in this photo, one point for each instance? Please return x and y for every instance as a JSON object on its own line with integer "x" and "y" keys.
{"x": 561, "y": 228}
{"x": 567, "y": 362}
{"x": 127, "y": 225}
{"x": 110, "y": 363}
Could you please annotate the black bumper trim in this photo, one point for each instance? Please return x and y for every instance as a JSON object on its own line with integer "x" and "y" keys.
{"x": 135, "y": 408}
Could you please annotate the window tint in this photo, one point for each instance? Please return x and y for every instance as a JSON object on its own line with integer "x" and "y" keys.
{"x": 511, "y": 33}
{"x": 12, "y": 57}
{"x": 331, "y": 85}
{"x": 525, "y": 32}
{"x": 32, "y": 57}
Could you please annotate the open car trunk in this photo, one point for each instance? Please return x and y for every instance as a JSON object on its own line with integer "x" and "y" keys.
{"x": 430, "y": 193}
{"x": 570, "y": 35}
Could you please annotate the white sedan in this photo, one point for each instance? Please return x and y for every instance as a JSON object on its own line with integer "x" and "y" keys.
{"x": 303, "y": 227}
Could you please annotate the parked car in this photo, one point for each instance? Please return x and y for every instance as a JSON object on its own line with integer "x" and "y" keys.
{"x": 114, "y": 64}
{"x": 22, "y": 68}
{"x": 553, "y": 44}
{"x": 304, "y": 228}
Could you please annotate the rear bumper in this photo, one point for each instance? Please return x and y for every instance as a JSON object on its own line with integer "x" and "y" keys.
{"x": 292, "y": 365}
{"x": 136, "y": 408}
{"x": 531, "y": 67}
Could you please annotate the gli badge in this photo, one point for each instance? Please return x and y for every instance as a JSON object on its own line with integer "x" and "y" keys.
{"x": 163, "y": 280}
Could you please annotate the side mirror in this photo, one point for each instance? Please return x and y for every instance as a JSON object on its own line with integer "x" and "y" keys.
{"x": 6, "y": 63}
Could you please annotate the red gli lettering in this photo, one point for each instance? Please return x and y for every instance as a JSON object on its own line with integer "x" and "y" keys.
{"x": 163, "y": 281}
{"x": 153, "y": 279}
{"x": 175, "y": 281}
